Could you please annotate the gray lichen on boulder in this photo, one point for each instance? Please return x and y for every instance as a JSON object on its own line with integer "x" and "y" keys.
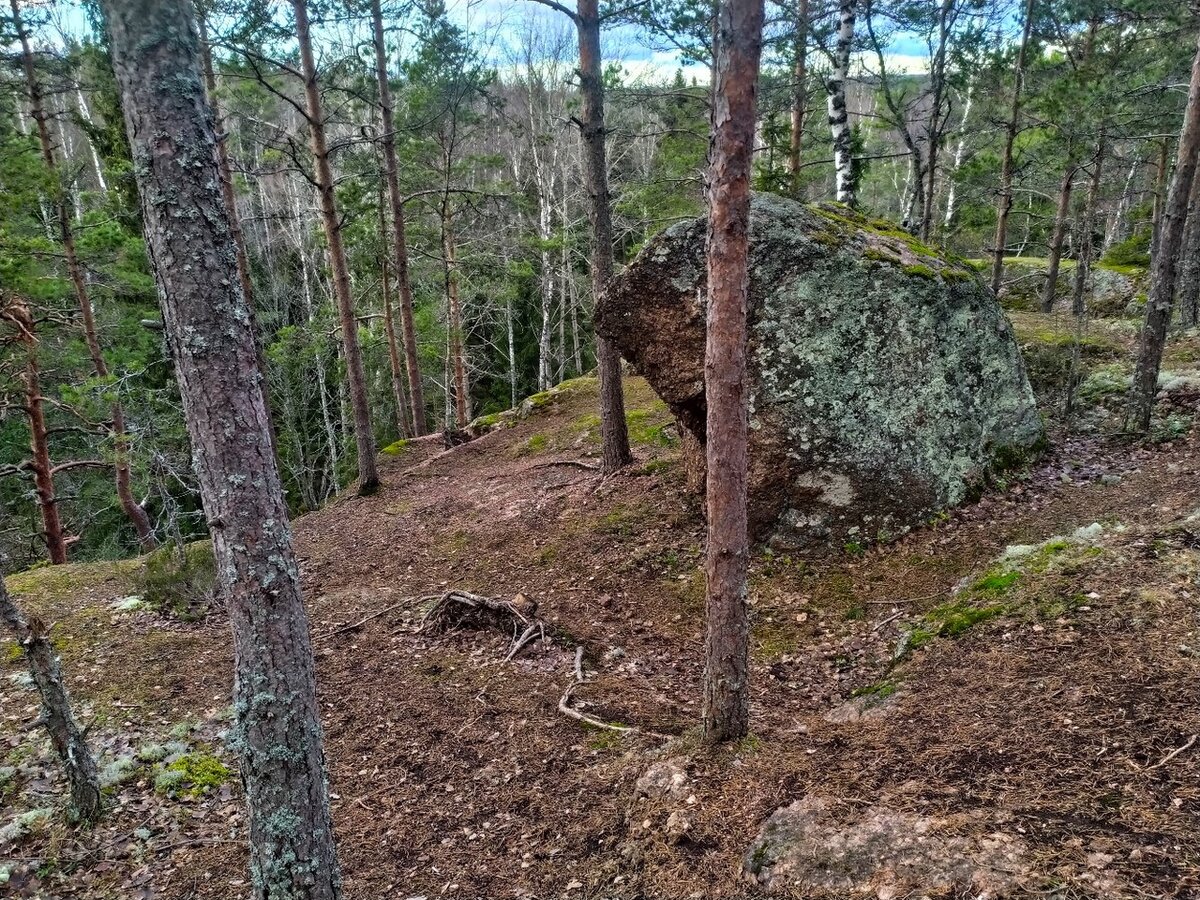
{"x": 818, "y": 846}
{"x": 885, "y": 381}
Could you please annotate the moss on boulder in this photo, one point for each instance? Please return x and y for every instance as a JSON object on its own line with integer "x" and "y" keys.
{"x": 880, "y": 394}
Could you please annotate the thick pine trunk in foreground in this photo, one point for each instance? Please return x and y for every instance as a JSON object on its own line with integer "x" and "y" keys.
{"x": 1165, "y": 262}
{"x": 133, "y": 509}
{"x": 399, "y": 235}
{"x": 1062, "y": 216}
{"x": 207, "y": 322}
{"x": 614, "y": 431}
{"x": 68, "y": 738}
{"x": 364, "y": 435}
{"x": 1004, "y": 206}
{"x": 731, "y": 156}
{"x": 839, "y": 118}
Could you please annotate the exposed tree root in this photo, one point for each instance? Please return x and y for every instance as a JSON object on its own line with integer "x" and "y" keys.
{"x": 461, "y": 609}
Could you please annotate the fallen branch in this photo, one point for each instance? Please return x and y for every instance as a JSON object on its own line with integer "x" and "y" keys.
{"x": 1174, "y": 753}
{"x": 354, "y": 626}
{"x": 564, "y": 706}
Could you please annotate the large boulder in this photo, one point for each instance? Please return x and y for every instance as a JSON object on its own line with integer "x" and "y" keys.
{"x": 885, "y": 382}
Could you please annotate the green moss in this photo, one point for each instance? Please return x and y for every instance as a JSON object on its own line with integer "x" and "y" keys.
{"x": 397, "y": 447}
{"x": 191, "y": 775}
{"x": 878, "y": 692}
{"x": 604, "y": 739}
{"x": 483, "y": 423}
{"x": 876, "y": 255}
{"x": 536, "y": 443}
{"x": 11, "y": 652}
{"x": 920, "y": 271}
{"x": 995, "y": 583}
{"x": 645, "y": 427}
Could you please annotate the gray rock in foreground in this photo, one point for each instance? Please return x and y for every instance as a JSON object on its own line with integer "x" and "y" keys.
{"x": 819, "y": 845}
{"x": 885, "y": 380}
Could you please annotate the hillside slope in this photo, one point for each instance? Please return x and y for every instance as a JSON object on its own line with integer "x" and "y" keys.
{"x": 1039, "y": 698}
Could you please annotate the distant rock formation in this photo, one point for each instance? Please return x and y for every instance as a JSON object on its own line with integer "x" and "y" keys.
{"x": 885, "y": 380}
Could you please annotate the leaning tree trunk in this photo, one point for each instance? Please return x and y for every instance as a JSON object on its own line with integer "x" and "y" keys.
{"x": 1058, "y": 236}
{"x": 1165, "y": 263}
{"x": 133, "y": 509}
{"x": 839, "y": 118}
{"x": 1189, "y": 266}
{"x": 614, "y": 431}
{"x": 1004, "y": 205}
{"x": 731, "y": 154}
{"x": 69, "y": 740}
{"x": 799, "y": 95}
{"x": 364, "y": 435}
{"x": 277, "y": 727}
{"x": 399, "y": 236}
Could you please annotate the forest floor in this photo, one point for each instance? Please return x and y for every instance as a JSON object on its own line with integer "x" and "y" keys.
{"x": 1043, "y": 699}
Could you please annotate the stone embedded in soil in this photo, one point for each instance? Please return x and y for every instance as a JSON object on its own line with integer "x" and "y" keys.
{"x": 817, "y": 844}
{"x": 664, "y": 778}
{"x": 885, "y": 380}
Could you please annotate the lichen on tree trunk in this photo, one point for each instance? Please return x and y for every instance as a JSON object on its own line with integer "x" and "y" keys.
{"x": 208, "y": 325}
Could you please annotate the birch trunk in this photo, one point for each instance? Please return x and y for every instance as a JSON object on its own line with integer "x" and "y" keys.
{"x": 839, "y": 118}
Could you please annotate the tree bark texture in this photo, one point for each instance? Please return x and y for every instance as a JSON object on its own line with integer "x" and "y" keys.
{"x": 799, "y": 94}
{"x": 731, "y": 155}
{"x": 1062, "y": 217}
{"x": 1189, "y": 266}
{"x": 1164, "y": 264}
{"x": 839, "y": 118}
{"x": 208, "y": 326}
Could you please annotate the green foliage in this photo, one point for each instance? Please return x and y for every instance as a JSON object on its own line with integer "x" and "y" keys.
{"x": 181, "y": 581}
{"x": 1130, "y": 256}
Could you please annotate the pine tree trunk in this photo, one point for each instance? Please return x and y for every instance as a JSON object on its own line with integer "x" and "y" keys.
{"x": 799, "y": 95}
{"x": 41, "y": 467}
{"x": 614, "y": 431}
{"x": 839, "y": 118}
{"x": 68, "y": 739}
{"x": 1189, "y": 265}
{"x": 731, "y": 155}
{"x": 1004, "y": 205}
{"x": 1160, "y": 190}
{"x": 399, "y": 228}
{"x": 1165, "y": 262}
{"x": 278, "y": 729}
{"x": 135, "y": 512}
{"x": 389, "y": 330}
{"x": 1087, "y": 225}
{"x": 1062, "y": 215}
{"x": 364, "y": 435}
{"x": 458, "y": 363}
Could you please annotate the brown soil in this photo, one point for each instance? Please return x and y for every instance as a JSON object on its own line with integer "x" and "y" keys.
{"x": 455, "y": 775}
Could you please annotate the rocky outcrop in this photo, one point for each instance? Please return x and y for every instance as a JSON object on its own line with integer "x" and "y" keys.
{"x": 818, "y": 845}
{"x": 884, "y": 378}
